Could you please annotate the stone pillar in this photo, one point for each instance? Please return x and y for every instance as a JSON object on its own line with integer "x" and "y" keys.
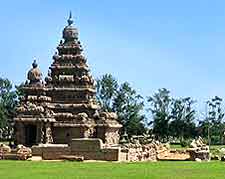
{"x": 20, "y": 133}
{"x": 42, "y": 137}
{"x": 100, "y": 133}
{"x": 49, "y": 138}
{"x": 40, "y": 133}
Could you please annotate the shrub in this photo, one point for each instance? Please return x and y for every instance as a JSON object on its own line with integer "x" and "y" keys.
{"x": 185, "y": 143}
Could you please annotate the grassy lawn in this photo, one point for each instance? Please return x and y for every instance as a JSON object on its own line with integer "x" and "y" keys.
{"x": 177, "y": 146}
{"x": 106, "y": 170}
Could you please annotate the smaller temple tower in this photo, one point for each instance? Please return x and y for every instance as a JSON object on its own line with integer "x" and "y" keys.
{"x": 33, "y": 115}
{"x": 65, "y": 106}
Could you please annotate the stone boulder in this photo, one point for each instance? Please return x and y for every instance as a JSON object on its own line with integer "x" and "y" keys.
{"x": 23, "y": 153}
{"x": 215, "y": 157}
{"x": 223, "y": 158}
{"x": 199, "y": 150}
{"x": 197, "y": 143}
{"x": 5, "y": 148}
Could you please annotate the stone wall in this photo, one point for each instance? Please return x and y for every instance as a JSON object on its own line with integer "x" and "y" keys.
{"x": 20, "y": 133}
{"x": 51, "y": 151}
{"x": 93, "y": 149}
{"x": 86, "y": 145}
{"x": 138, "y": 152}
{"x": 89, "y": 149}
{"x": 62, "y": 135}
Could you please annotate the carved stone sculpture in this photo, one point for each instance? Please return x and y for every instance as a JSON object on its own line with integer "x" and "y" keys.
{"x": 34, "y": 75}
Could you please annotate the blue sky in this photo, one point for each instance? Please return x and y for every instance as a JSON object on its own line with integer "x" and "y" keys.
{"x": 179, "y": 45}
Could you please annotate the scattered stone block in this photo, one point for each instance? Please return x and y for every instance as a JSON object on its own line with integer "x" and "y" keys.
{"x": 223, "y": 158}
{"x": 198, "y": 160}
{"x": 215, "y": 157}
{"x": 5, "y": 149}
{"x": 23, "y": 153}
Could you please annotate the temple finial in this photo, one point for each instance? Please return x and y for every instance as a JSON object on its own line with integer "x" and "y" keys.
{"x": 34, "y": 64}
{"x": 70, "y": 20}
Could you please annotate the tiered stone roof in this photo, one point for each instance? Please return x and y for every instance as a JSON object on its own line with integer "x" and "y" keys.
{"x": 68, "y": 96}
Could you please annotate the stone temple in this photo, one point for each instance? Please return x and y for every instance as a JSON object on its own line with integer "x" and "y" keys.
{"x": 59, "y": 118}
{"x": 63, "y": 106}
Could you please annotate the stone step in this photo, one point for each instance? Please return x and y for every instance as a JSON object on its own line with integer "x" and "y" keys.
{"x": 35, "y": 158}
{"x": 10, "y": 156}
{"x": 72, "y": 158}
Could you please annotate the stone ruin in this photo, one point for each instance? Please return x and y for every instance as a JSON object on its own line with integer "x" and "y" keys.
{"x": 198, "y": 150}
{"x": 81, "y": 149}
{"x": 143, "y": 148}
{"x": 63, "y": 107}
{"x": 19, "y": 153}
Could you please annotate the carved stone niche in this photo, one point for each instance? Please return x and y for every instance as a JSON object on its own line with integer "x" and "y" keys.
{"x": 88, "y": 131}
{"x": 49, "y": 138}
{"x": 66, "y": 78}
{"x": 108, "y": 115}
{"x": 112, "y": 136}
{"x": 85, "y": 80}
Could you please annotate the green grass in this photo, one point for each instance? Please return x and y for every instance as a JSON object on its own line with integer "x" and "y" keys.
{"x": 4, "y": 142}
{"x": 177, "y": 146}
{"x": 107, "y": 170}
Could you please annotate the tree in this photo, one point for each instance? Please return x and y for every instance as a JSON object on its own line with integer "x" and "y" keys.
{"x": 8, "y": 101}
{"x": 129, "y": 106}
{"x": 182, "y": 123}
{"x": 124, "y": 101}
{"x": 106, "y": 91}
{"x": 160, "y": 108}
{"x": 213, "y": 125}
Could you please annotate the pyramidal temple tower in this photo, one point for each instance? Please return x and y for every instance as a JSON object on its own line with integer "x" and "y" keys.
{"x": 63, "y": 106}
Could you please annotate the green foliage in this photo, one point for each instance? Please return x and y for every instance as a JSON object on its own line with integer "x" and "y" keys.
{"x": 8, "y": 101}
{"x": 107, "y": 87}
{"x": 19, "y": 90}
{"x": 213, "y": 127}
{"x": 172, "y": 117}
{"x": 160, "y": 108}
{"x": 185, "y": 143}
{"x": 182, "y": 123}
{"x": 215, "y": 139}
{"x": 123, "y": 100}
{"x": 129, "y": 105}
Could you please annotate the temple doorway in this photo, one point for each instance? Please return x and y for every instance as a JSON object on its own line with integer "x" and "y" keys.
{"x": 30, "y": 134}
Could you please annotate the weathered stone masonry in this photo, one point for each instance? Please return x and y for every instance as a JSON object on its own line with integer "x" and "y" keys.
{"x": 63, "y": 107}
